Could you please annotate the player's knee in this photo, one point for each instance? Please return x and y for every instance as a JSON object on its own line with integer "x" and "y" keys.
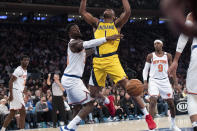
{"x": 12, "y": 113}
{"x": 153, "y": 101}
{"x": 94, "y": 92}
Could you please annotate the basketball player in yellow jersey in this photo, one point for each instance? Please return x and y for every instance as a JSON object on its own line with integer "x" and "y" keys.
{"x": 106, "y": 61}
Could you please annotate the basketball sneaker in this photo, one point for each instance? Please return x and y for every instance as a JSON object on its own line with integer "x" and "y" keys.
{"x": 175, "y": 128}
{"x": 150, "y": 122}
{"x": 65, "y": 128}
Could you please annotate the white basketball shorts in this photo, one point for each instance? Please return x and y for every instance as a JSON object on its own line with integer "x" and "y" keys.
{"x": 18, "y": 100}
{"x": 160, "y": 87}
{"x": 76, "y": 91}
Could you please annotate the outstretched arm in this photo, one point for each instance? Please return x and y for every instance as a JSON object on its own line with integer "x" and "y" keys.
{"x": 78, "y": 45}
{"x": 125, "y": 15}
{"x": 93, "y": 21}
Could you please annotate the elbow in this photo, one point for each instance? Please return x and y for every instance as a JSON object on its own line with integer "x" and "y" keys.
{"x": 128, "y": 11}
{"x": 82, "y": 11}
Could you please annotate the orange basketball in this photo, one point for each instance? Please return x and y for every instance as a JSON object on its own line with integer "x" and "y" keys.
{"x": 134, "y": 87}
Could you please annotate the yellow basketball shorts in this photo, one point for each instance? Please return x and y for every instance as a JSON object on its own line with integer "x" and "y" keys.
{"x": 106, "y": 66}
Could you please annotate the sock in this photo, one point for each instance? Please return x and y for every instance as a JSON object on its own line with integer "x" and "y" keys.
{"x": 194, "y": 124}
{"x": 145, "y": 112}
{"x": 3, "y": 129}
{"x": 172, "y": 121}
{"x": 74, "y": 122}
{"x": 106, "y": 101}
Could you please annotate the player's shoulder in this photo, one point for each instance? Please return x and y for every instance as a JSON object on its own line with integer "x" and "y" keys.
{"x": 150, "y": 55}
{"x": 19, "y": 68}
{"x": 190, "y": 16}
{"x": 168, "y": 54}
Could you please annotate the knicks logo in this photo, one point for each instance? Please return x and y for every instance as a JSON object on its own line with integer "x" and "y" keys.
{"x": 182, "y": 106}
{"x": 169, "y": 95}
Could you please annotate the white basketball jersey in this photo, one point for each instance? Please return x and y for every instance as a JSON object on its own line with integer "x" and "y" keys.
{"x": 192, "y": 70}
{"x": 75, "y": 62}
{"x": 159, "y": 67}
{"x": 194, "y": 41}
{"x": 21, "y": 74}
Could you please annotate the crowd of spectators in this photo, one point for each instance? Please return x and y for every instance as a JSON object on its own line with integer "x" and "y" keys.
{"x": 135, "y": 4}
{"x": 47, "y": 48}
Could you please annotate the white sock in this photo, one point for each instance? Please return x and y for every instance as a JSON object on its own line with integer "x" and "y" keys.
{"x": 3, "y": 129}
{"x": 173, "y": 123}
{"x": 194, "y": 124}
{"x": 106, "y": 101}
{"x": 145, "y": 112}
{"x": 74, "y": 122}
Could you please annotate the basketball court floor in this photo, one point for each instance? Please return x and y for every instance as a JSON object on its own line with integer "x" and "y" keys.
{"x": 163, "y": 124}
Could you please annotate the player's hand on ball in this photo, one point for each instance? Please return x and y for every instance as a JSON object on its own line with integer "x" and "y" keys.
{"x": 172, "y": 69}
{"x": 114, "y": 37}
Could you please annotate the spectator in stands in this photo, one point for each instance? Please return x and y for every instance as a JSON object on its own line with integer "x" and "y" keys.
{"x": 67, "y": 111}
{"x": 162, "y": 107}
{"x": 3, "y": 108}
{"x": 119, "y": 110}
{"x": 31, "y": 117}
{"x": 127, "y": 105}
{"x": 37, "y": 97}
{"x": 97, "y": 112}
{"x": 42, "y": 112}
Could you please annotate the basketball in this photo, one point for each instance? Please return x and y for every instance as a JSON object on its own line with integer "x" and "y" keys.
{"x": 134, "y": 87}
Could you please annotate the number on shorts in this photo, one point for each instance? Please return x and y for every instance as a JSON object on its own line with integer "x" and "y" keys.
{"x": 160, "y": 68}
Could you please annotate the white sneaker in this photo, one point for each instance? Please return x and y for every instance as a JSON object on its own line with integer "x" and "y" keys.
{"x": 62, "y": 128}
{"x": 175, "y": 128}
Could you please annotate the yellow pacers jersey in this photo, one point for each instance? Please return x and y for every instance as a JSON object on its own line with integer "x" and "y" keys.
{"x": 103, "y": 30}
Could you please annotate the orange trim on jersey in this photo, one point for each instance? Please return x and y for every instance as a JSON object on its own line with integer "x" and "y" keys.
{"x": 76, "y": 103}
{"x": 191, "y": 93}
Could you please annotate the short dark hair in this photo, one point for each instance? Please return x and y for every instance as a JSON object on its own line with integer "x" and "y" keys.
{"x": 23, "y": 56}
{"x": 69, "y": 26}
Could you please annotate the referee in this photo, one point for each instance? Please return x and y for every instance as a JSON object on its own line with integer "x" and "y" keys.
{"x": 57, "y": 98}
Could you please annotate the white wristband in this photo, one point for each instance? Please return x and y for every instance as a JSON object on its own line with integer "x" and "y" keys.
{"x": 145, "y": 71}
{"x": 182, "y": 41}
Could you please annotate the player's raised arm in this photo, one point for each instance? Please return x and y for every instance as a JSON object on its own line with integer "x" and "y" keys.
{"x": 93, "y": 21}
{"x": 125, "y": 15}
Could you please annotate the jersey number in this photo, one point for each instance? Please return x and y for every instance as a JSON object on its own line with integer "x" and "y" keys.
{"x": 160, "y": 68}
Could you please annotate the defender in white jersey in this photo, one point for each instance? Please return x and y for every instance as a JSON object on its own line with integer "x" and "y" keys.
{"x": 191, "y": 73}
{"x": 16, "y": 98}
{"x": 159, "y": 83}
{"x": 78, "y": 95}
